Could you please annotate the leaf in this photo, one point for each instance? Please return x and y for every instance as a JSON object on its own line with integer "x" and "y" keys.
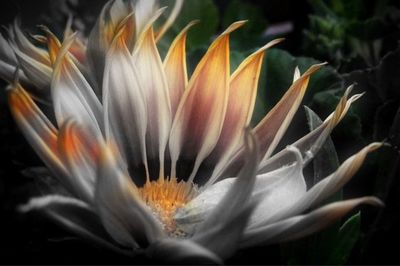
{"x": 200, "y": 34}
{"x": 349, "y": 233}
{"x": 240, "y": 10}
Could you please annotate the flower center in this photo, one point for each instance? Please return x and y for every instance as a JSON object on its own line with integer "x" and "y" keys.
{"x": 165, "y": 197}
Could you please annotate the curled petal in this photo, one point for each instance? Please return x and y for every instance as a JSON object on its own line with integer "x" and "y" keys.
{"x": 200, "y": 115}
{"x": 303, "y": 225}
{"x": 170, "y": 20}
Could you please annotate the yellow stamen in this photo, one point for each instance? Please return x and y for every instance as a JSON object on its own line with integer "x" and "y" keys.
{"x": 165, "y": 197}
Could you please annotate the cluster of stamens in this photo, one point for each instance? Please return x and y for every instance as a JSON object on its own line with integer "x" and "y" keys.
{"x": 165, "y": 197}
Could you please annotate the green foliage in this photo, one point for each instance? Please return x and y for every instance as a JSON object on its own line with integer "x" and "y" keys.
{"x": 205, "y": 11}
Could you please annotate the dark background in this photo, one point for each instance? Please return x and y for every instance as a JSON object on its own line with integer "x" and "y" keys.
{"x": 33, "y": 239}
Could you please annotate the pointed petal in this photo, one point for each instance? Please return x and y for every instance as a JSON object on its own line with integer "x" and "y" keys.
{"x": 78, "y": 150}
{"x": 272, "y": 191}
{"x": 26, "y": 47}
{"x": 103, "y": 33}
{"x": 303, "y": 225}
{"x": 271, "y": 129}
{"x": 178, "y": 251}
{"x": 144, "y": 12}
{"x": 241, "y": 100}
{"x": 74, "y": 215}
{"x": 175, "y": 68}
{"x": 200, "y": 115}
{"x": 233, "y": 211}
{"x": 170, "y": 20}
{"x": 72, "y": 95}
{"x": 38, "y": 130}
{"x": 323, "y": 189}
{"x": 38, "y": 73}
{"x": 153, "y": 84}
{"x": 124, "y": 106}
{"x": 310, "y": 144}
{"x": 123, "y": 214}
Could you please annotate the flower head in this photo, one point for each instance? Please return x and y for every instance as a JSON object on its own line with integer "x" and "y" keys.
{"x": 155, "y": 161}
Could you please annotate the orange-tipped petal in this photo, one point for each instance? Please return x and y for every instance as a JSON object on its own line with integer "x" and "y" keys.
{"x": 271, "y": 129}
{"x": 79, "y": 151}
{"x": 72, "y": 95}
{"x": 175, "y": 68}
{"x": 153, "y": 84}
{"x": 39, "y": 131}
{"x": 310, "y": 144}
{"x": 242, "y": 96}
{"x": 200, "y": 115}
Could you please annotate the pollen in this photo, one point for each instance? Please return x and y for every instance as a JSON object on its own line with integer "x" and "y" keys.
{"x": 165, "y": 197}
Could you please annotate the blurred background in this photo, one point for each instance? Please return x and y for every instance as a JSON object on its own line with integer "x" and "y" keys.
{"x": 359, "y": 40}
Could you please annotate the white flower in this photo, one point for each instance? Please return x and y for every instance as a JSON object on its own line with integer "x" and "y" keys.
{"x": 155, "y": 162}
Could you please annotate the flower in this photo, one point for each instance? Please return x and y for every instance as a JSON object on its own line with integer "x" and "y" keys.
{"x": 159, "y": 163}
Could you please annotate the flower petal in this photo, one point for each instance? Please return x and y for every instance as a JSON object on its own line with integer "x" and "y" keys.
{"x": 175, "y": 68}
{"x": 79, "y": 149}
{"x": 272, "y": 127}
{"x": 323, "y": 189}
{"x": 170, "y": 20}
{"x": 38, "y": 130}
{"x": 241, "y": 100}
{"x": 303, "y": 225}
{"x": 123, "y": 214}
{"x": 200, "y": 115}
{"x": 178, "y": 251}
{"x": 310, "y": 144}
{"x": 124, "y": 106}
{"x": 272, "y": 191}
{"x": 74, "y": 215}
{"x": 233, "y": 210}
{"x": 103, "y": 33}
{"x": 153, "y": 84}
{"x": 72, "y": 95}
{"x": 278, "y": 190}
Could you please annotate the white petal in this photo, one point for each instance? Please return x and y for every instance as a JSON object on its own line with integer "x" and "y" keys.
{"x": 325, "y": 188}
{"x": 310, "y": 144}
{"x": 233, "y": 210}
{"x": 153, "y": 84}
{"x": 125, "y": 217}
{"x": 124, "y": 106}
{"x": 75, "y": 215}
{"x": 303, "y": 225}
{"x": 178, "y": 251}
{"x": 72, "y": 95}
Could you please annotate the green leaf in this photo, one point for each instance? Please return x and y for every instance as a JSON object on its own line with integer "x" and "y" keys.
{"x": 252, "y": 30}
{"x": 349, "y": 233}
{"x": 200, "y": 34}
